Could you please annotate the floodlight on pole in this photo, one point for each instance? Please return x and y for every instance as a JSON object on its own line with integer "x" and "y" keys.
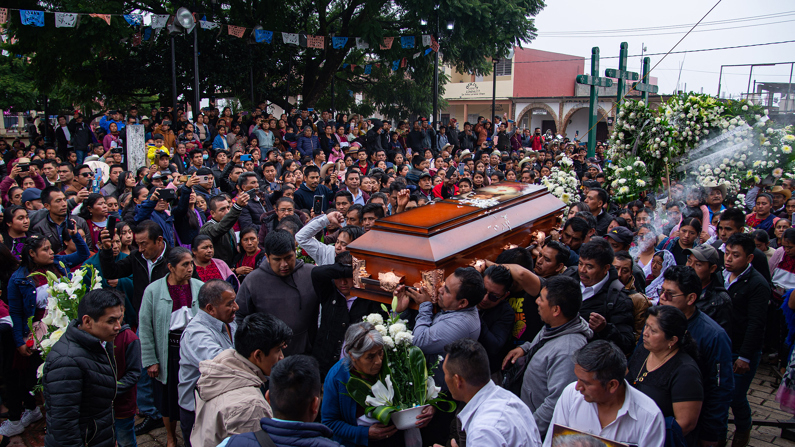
{"x": 450, "y": 24}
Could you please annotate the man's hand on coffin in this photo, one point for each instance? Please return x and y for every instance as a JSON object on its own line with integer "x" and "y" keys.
{"x": 403, "y": 299}
{"x": 419, "y": 295}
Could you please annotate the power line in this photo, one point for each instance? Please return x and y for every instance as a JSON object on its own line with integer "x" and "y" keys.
{"x": 673, "y": 32}
{"x": 667, "y": 27}
{"x": 658, "y": 54}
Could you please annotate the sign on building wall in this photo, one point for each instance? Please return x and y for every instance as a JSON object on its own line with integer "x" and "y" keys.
{"x": 472, "y": 90}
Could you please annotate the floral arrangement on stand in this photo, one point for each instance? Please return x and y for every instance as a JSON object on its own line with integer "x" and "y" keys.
{"x": 630, "y": 179}
{"x": 405, "y": 381}
{"x": 562, "y": 182}
{"x": 65, "y": 294}
{"x": 725, "y": 142}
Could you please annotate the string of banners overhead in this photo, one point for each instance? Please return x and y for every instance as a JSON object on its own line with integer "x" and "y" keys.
{"x": 159, "y": 22}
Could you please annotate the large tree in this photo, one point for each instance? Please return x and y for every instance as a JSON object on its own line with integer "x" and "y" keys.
{"x": 97, "y": 62}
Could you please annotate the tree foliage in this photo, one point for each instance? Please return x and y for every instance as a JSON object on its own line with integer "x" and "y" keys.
{"x": 97, "y": 62}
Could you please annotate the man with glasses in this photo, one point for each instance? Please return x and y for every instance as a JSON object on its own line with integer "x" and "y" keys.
{"x": 681, "y": 289}
{"x": 284, "y": 207}
{"x": 713, "y": 299}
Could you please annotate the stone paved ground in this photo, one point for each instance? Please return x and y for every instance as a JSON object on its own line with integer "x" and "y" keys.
{"x": 761, "y": 397}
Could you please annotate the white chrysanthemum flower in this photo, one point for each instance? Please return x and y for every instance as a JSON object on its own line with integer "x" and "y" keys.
{"x": 375, "y": 319}
{"x": 778, "y": 172}
{"x": 396, "y": 329}
{"x": 381, "y": 330}
{"x": 786, "y": 149}
{"x": 388, "y": 342}
{"x": 404, "y": 338}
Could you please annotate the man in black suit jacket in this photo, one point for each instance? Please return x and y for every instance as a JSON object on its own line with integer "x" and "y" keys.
{"x": 732, "y": 221}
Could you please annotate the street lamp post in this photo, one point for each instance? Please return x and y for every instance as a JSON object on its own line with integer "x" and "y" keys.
{"x": 494, "y": 89}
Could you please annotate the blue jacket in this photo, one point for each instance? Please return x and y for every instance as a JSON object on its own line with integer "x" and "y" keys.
{"x": 218, "y": 142}
{"x": 306, "y": 145}
{"x": 22, "y": 290}
{"x": 287, "y": 433}
{"x": 715, "y": 362}
{"x": 104, "y": 123}
{"x": 146, "y": 210}
{"x": 339, "y": 410}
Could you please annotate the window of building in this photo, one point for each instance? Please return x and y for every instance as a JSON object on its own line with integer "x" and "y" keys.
{"x": 504, "y": 67}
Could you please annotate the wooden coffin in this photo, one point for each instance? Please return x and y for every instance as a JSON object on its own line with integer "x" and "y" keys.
{"x": 424, "y": 245}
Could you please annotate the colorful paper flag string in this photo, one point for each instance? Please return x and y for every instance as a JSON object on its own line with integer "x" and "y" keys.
{"x": 105, "y": 17}
{"x": 134, "y": 19}
{"x": 290, "y": 38}
{"x": 339, "y": 42}
{"x": 261, "y": 35}
{"x": 316, "y": 42}
{"x": 65, "y": 20}
{"x": 159, "y": 21}
{"x": 32, "y": 18}
{"x": 387, "y": 43}
{"x": 407, "y": 41}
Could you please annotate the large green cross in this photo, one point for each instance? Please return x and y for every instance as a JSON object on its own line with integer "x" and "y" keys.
{"x": 594, "y": 81}
{"x": 621, "y": 74}
{"x": 644, "y": 85}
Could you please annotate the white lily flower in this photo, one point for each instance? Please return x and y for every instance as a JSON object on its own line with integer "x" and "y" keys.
{"x": 432, "y": 390}
{"x": 382, "y": 395}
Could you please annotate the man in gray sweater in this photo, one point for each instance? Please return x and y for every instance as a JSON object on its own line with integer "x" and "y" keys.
{"x": 550, "y": 365}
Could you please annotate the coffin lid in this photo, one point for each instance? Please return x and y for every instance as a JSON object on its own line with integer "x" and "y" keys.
{"x": 440, "y": 230}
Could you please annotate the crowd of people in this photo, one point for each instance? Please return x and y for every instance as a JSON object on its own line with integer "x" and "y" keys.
{"x": 227, "y": 310}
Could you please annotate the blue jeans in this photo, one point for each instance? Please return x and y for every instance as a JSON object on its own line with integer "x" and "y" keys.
{"x": 742, "y": 382}
{"x": 146, "y": 397}
{"x": 81, "y": 155}
{"x": 125, "y": 432}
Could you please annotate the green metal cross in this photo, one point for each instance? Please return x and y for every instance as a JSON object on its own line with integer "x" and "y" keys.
{"x": 594, "y": 81}
{"x": 643, "y": 85}
{"x": 621, "y": 74}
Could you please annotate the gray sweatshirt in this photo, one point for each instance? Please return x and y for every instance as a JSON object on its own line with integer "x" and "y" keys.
{"x": 551, "y": 369}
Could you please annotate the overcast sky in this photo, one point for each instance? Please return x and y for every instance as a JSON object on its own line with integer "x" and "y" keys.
{"x": 700, "y": 69}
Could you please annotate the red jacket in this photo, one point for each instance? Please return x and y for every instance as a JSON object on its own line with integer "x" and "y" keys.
{"x": 127, "y": 350}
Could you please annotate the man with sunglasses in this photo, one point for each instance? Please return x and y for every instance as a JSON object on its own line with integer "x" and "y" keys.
{"x": 496, "y": 314}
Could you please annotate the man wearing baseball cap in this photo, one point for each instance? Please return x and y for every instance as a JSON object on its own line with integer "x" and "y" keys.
{"x": 713, "y": 300}
{"x": 31, "y": 199}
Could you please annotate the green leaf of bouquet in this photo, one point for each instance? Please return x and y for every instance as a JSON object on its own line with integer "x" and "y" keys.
{"x": 383, "y": 413}
{"x": 419, "y": 373}
{"x": 448, "y": 406}
{"x": 358, "y": 390}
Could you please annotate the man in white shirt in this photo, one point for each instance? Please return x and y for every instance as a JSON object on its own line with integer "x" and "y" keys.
{"x": 492, "y": 416}
{"x": 602, "y": 403}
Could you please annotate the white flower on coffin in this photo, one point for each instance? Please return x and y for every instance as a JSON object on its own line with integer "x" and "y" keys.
{"x": 778, "y": 172}
{"x": 382, "y": 395}
{"x": 432, "y": 390}
{"x": 404, "y": 338}
{"x": 375, "y": 319}
{"x": 396, "y": 329}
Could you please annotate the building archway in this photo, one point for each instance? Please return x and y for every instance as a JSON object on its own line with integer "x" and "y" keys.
{"x": 572, "y": 115}
{"x": 550, "y": 116}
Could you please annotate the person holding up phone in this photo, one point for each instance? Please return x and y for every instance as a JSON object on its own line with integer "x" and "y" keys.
{"x": 221, "y": 227}
{"x": 154, "y": 208}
